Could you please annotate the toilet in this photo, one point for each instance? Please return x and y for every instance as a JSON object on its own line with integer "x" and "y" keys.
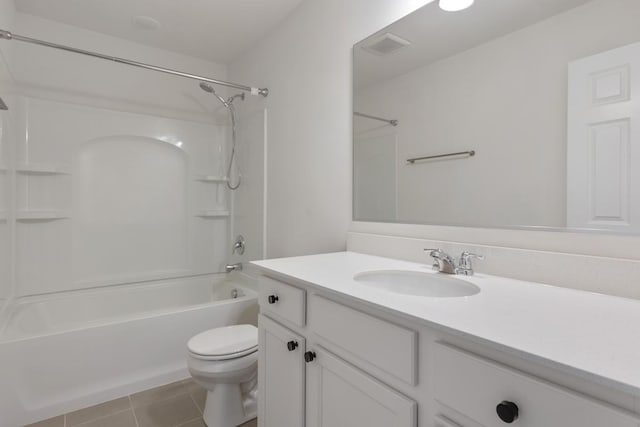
{"x": 225, "y": 362}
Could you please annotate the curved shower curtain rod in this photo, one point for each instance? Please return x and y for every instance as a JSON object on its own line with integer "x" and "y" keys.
{"x": 7, "y": 35}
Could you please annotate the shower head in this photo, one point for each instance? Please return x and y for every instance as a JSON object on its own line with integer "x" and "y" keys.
{"x": 206, "y": 87}
{"x": 232, "y": 111}
{"x": 209, "y": 89}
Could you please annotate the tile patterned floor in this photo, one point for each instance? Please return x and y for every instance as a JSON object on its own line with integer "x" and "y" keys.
{"x": 178, "y": 404}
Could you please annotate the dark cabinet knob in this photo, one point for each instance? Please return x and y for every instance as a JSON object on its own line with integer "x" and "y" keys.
{"x": 273, "y": 299}
{"x": 292, "y": 345}
{"x": 309, "y": 356}
{"x": 507, "y": 411}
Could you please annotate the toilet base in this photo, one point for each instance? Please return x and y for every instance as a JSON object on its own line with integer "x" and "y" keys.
{"x": 230, "y": 405}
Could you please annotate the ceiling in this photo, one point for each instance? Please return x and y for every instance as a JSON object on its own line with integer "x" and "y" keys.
{"x": 435, "y": 34}
{"x": 217, "y": 30}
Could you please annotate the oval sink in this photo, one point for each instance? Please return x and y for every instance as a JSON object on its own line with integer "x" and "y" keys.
{"x": 417, "y": 283}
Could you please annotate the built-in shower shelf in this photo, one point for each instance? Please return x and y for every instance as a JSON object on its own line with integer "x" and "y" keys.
{"x": 212, "y": 214}
{"x": 211, "y": 178}
{"x": 40, "y": 169}
{"x": 41, "y": 215}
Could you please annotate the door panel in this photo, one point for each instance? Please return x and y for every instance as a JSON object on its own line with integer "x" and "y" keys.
{"x": 603, "y": 155}
{"x": 281, "y": 378}
{"x": 339, "y": 395}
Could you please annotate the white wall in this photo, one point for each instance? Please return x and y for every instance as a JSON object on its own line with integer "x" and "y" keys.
{"x": 507, "y": 100}
{"x": 306, "y": 64}
{"x": 375, "y": 186}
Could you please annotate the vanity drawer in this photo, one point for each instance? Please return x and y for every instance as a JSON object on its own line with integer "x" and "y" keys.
{"x": 475, "y": 387}
{"x": 382, "y": 344}
{"x": 284, "y": 301}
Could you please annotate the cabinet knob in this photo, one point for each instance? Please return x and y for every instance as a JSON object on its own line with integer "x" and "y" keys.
{"x": 292, "y": 345}
{"x": 272, "y": 299}
{"x": 507, "y": 411}
{"x": 309, "y": 356}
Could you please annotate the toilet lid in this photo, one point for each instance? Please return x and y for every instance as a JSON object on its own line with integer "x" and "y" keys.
{"x": 228, "y": 340}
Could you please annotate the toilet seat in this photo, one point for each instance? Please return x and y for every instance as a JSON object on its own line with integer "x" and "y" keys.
{"x": 224, "y": 356}
{"x": 229, "y": 342}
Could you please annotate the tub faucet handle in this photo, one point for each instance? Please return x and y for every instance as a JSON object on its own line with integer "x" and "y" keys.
{"x": 238, "y": 245}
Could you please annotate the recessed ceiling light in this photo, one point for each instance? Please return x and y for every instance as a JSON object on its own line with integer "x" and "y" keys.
{"x": 145, "y": 23}
{"x": 455, "y": 5}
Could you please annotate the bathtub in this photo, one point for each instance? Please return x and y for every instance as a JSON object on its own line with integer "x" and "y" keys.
{"x": 63, "y": 352}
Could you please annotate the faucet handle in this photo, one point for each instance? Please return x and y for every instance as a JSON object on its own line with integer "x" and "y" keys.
{"x": 466, "y": 267}
{"x": 433, "y": 252}
{"x": 467, "y": 256}
{"x": 238, "y": 245}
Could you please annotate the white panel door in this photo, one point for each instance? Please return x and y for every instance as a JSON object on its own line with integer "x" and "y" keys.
{"x": 281, "y": 376}
{"x": 340, "y": 395}
{"x": 603, "y": 155}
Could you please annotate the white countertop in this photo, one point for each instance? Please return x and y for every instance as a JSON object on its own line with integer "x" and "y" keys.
{"x": 595, "y": 336}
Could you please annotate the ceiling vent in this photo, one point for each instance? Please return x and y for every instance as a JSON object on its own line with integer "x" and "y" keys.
{"x": 385, "y": 44}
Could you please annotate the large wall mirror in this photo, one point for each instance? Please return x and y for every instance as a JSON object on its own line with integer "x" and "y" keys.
{"x": 508, "y": 114}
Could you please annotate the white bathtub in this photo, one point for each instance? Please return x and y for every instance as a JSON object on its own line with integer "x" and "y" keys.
{"x": 66, "y": 351}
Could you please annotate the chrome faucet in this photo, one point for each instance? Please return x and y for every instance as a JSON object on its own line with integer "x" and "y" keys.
{"x": 445, "y": 263}
{"x": 442, "y": 262}
{"x": 233, "y": 267}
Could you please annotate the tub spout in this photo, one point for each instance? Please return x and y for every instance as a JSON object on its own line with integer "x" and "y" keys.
{"x": 233, "y": 267}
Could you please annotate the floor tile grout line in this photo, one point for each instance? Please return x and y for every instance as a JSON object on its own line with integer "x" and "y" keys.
{"x": 185, "y": 391}
{"x": 98, "y": 418}
{"x": 133, "y": 410}
{"x": 160, "y": 400}
{"x": 193, "y": 399}
{"x": 188, "y": 421}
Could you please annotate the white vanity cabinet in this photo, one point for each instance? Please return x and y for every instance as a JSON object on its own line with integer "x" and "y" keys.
{"x": 329, "y": 360}
{"x": 303, "y": 383}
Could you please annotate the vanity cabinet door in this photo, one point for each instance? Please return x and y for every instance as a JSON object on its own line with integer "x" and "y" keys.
{"x": 340, "y": 395}
{"x": 281, "y": 376}
{"x": 495, "y": 395}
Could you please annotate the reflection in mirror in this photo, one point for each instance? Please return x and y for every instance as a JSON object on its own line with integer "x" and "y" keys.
{"x": 541, "y": 91}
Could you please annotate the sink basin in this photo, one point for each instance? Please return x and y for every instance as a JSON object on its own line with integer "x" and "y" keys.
{"x": 417, "y": 283}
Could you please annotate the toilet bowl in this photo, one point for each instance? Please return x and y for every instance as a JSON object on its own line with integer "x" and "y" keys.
{"x": 225, "y": 362}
